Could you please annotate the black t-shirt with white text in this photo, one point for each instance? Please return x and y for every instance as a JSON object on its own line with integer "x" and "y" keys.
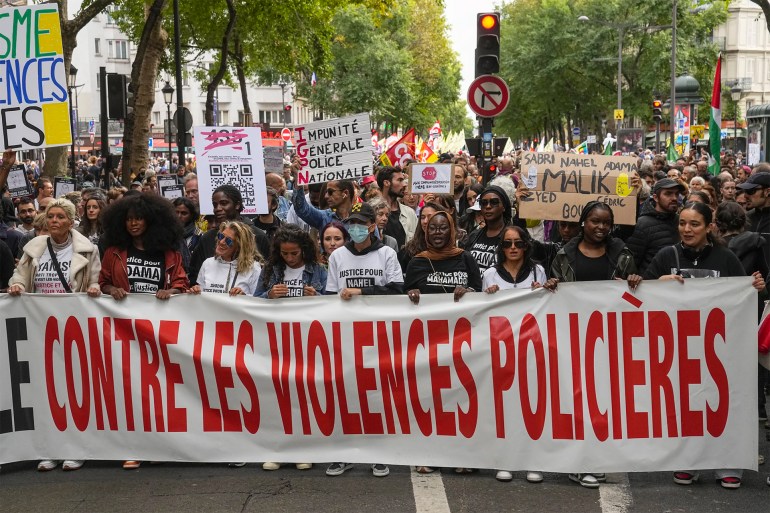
{"x": 145, "y": 270}
{"x": 442, "y": 276}
{"x": 484, "y": 251}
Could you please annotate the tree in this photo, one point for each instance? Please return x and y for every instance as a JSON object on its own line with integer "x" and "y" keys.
{"x": 56, "y": 158}
{"x": 556, "y": 83}
{"x": 765, "y": 5}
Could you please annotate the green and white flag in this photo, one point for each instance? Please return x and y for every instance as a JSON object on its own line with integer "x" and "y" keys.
{"x": 715, "y": 122}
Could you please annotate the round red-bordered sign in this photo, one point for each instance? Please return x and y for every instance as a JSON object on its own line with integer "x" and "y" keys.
{"x": 488, "y": 96}
{"x": 286, "y": 134}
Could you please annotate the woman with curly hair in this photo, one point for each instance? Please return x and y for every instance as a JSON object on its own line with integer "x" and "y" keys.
{"x": 141, "y": 234}
{"x": 236, "y": 265}
{"x": 292, "y": 269}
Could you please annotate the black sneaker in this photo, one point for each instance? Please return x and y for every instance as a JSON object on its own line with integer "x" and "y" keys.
{"x": 339, "y": 468}
{"x": 380, "y": 470}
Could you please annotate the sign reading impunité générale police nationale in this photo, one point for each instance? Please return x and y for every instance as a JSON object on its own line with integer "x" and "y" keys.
{"x": 334, "y": 149}
{"x": 34, "y": 106}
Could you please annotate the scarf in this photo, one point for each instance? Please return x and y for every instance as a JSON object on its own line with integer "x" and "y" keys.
{"x": 448, "y": 251}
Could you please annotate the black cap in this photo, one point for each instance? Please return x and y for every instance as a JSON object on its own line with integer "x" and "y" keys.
{"x": 756, "y": 180}
{"x": 362, "y": 212}
{"x": 667, "y": 183}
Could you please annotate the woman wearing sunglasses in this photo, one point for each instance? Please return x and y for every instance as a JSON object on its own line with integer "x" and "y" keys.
{"x": 236, "y": 265}
{"x": 142, "y": 234}
{"x": 514, "y": 269}
{"x": 496, "y": 211}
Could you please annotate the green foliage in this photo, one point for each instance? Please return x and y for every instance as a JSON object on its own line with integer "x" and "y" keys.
{"x": 398, "y": 66}
{"x": 561, "y": 69}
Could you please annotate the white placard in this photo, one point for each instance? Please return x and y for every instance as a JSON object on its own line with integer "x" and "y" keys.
{"x": 334, "y": 149}
{"x": 231, "y": 155}
{"x": 435, "y": 178}
{"x": 63, "y": 185}
{"x": 754, "y": 156}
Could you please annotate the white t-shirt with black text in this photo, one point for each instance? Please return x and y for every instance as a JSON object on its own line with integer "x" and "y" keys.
{"x": 46, "y": 280}
{"x": 292, "y": 278}
{"x": 219, "y": 276}
{"x": 375, "y": 268}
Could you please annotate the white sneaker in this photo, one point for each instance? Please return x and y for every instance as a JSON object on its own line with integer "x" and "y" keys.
{"x": 72, "y": 464}
{"x": 534, "y": 477}
{"x": 585, "y": 480}
{"x": 304, "y": 466}
{"x": 237, "y": 464}
{"x": 271, "y": 465}
{"x": 504, "y": 475}
{"x": 46, "y": 465}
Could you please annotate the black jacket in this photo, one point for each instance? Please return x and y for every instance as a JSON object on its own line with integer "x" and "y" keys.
{"x": 621, "y": 261}
{"x": 758, "y": 220}
{"x": 654, "y": 231}
{"x": 715, "y": 258}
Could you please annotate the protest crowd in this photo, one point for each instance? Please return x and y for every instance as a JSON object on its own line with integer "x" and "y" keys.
{"x": 372, "y": 237}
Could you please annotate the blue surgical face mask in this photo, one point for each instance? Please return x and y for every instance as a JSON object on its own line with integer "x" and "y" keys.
{"x": 358, "y": 232}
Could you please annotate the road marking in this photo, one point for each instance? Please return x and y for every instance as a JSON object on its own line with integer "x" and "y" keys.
{"x": 429, "y": 492}
{"x": 615, "y": 494}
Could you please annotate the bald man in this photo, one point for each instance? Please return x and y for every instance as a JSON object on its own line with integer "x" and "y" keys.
{"x": 277, "y": 182}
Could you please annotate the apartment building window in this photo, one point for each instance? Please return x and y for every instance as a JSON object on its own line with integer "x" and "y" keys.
{"x": 97, "y": 46}
{"x": 117, "y": 49}
{"x": 224, "y": 117}
{"x": 750, "y": 66}
{"x": 272, "y": 117}
{"x": 108, "y": 14}
{"x": 156, "y": 118}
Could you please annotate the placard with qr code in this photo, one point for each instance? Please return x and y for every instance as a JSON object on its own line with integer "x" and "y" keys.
{"x": 231, "y": 156}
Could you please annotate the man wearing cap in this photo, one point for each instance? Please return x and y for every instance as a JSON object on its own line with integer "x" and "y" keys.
{"x": 757, "y": 187}
{"x": 656, "y": 227}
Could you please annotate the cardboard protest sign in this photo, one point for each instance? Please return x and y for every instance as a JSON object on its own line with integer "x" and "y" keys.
{"x": 34, "y": 106}
{"x": 425, "y": 178}
{"x": 231, "y": 155}
{"x": 18, "y": 185}
{"x": 273, "y": 159}
{"x": 334, "y": 149}
{"x": 172, "y": 191}
{"x": 562, "y": 184}
{"x": 62, "y": 185}
{"x": 165, "y": 182}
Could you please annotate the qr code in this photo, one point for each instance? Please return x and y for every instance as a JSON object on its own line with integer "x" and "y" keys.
{"x": 238, "y": 175}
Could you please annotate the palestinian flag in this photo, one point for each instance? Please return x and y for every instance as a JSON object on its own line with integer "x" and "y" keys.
{"x": 715, "y": 122}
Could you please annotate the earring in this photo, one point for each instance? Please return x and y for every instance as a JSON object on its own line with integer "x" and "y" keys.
{"x": 582, "y": 224}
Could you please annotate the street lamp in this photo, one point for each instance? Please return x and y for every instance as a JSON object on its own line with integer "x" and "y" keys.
{"x": 71, "y": 84}
{"x": 282, "y": 83}
{"x": 168, "y": 97}
{"x": 736, "y": 92}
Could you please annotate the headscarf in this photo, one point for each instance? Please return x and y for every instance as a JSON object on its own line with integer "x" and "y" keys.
{"x": 448, "y": 251}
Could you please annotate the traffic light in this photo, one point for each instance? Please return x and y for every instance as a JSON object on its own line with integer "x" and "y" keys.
{"x": 287, "y": 114}
{"x": 116, "y": 96}
{"x": 657, "y": 114}
{"x": 487, "y": 43}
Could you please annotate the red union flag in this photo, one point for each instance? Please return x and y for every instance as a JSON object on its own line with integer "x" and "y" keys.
{"x": 427, "y": 154}
{"x": 398, "y": 154}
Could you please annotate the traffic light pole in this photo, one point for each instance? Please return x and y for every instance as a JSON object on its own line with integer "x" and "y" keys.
{"x": 657, "y": 137}
{"x": 485, "y": 133}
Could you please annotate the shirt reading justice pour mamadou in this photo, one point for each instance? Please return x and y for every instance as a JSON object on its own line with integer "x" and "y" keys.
{"x": 145, "y": 270}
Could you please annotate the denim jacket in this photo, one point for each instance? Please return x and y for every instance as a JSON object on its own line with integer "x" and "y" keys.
{"x": 313, "y": 275}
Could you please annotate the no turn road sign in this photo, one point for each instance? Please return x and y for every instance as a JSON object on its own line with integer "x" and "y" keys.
{"x": 488, "y": 96}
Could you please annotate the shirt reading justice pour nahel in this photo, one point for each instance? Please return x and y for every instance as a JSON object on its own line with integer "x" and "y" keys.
{"x": 375, "y": 268}
{"x": 292, "y": 278}
{"x": 145, "y": 270}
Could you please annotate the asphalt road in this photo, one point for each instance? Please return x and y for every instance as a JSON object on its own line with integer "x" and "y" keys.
{"x": 103, "y": 486}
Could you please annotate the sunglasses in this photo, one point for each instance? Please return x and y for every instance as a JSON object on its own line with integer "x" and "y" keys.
{"x": 491, "y": 202}
{"x": 329, "y": 192}
{"x": 518, "y": 244}
{"x": 222, "y": 237}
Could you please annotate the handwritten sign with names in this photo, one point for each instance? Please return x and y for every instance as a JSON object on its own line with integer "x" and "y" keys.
{"x": 231, "y": 156}
{"x": 334, "y": 149}
{"x": 34, "y": 105}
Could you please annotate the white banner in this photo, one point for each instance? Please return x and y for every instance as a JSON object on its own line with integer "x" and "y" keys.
{"x": 231, "y": 155}
{"x": 590, "y": 378}
{"x": 334, "y": 149}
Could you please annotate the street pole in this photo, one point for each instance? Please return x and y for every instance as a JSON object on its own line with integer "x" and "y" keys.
{"x": 621, "y": 33}
{"x": 105, "y": 125}
{"x": 657, "y": 137}
{"x": 168, "y": 117}
{"x": 74, "y": 123}
{"x": 672, "y": 128}
{"x": 180, "y": 134}
{"x": 283, "y": 102}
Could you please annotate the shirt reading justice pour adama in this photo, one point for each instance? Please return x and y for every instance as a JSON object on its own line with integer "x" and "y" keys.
{"x": 376, "y": 268}
{"x": 145, "y": 270}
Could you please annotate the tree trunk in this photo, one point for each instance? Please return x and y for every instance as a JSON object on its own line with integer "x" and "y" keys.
{"x": 765, "y": 5}
{"x": 56, "y": 158}
{"x": 211, "y": 89}
{"x": 238, "y": 58}
{"x": 144, "y": 71}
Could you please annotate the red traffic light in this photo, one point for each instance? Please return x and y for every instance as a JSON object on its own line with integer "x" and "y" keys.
{"x": 287, "y": 107}
{"x": 489, "y": 21}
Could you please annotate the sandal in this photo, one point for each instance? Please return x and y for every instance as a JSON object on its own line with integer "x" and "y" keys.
{"x": 464, "y": 470}
{"x": 424, "y": 470}
{"x": 131, "y": 464}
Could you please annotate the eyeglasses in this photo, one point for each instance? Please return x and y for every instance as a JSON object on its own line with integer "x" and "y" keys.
{"x": 518, "y": 244}
{"x": 222, "y": 237}
{"x": 329, "y": 192}
{"x": 491, "y": 202}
